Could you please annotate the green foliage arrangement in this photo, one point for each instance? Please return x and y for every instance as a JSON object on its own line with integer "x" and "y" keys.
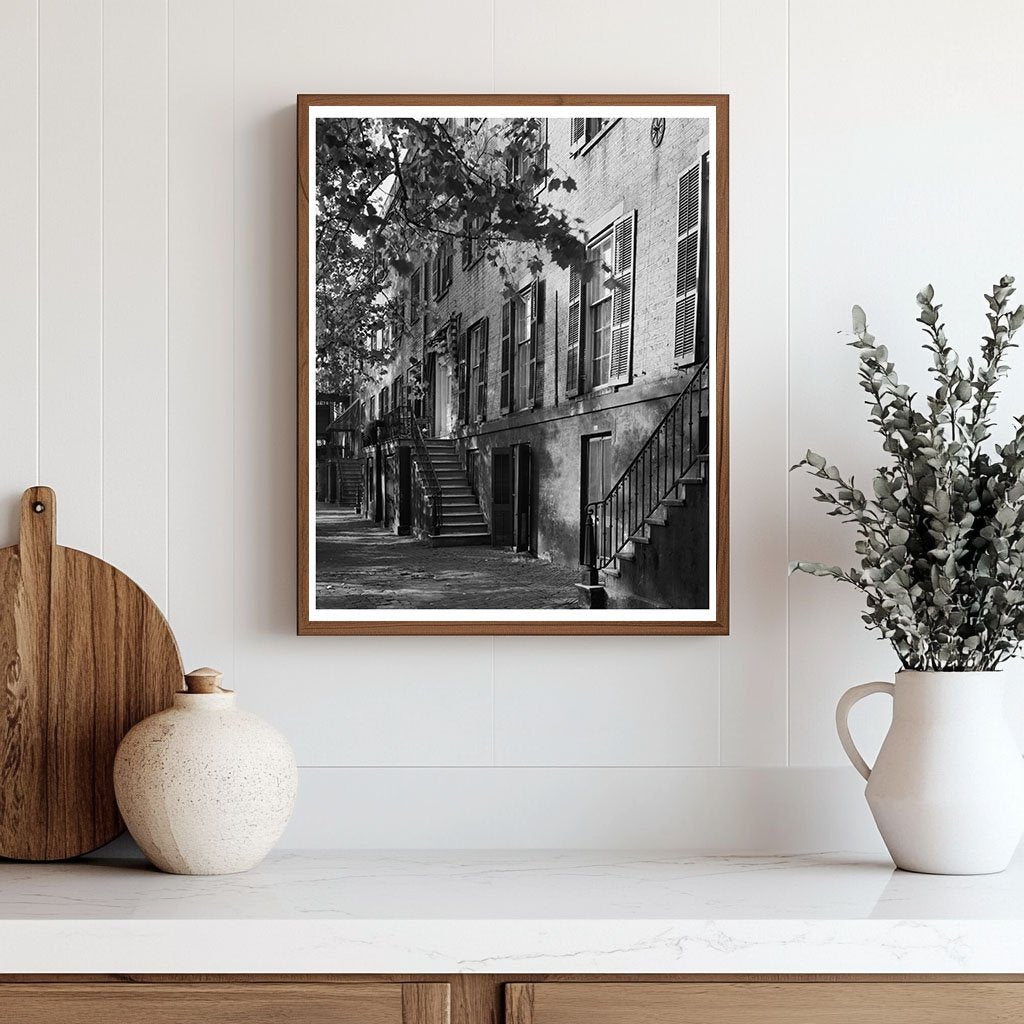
{"x": 941, "y": 540}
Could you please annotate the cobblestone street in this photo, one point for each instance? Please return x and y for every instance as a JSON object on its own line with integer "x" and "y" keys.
{"x": 360, "y": 565}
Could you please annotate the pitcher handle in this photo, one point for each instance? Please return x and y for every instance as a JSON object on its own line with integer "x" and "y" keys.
{"x": 846, "y": 702}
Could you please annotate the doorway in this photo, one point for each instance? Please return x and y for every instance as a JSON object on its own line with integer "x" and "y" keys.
{"x": 442, "y": 381}
{"x": 512, "y": 497}
{"x": 595, "y": 483}
{"x": 502, "y": 527}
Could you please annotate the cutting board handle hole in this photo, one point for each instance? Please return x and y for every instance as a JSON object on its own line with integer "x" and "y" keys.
{"x": 38, "y": 506}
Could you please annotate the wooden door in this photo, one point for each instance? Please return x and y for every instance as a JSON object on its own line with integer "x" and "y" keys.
{"x": 426, "y": 410}
{"x": 795, "y": 1002}
{"x": 502, "y": 497}
{"x": 228, "y": 1003}
{"x": 442, "y": 399}
{"x": 523, "y": 496}
{"x": 595, "y": 482}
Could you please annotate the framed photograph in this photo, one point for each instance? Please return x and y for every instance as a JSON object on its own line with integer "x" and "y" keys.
{"x": 512, "y": 364}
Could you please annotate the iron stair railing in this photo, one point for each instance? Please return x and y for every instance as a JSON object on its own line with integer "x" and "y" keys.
{"x": 402, "y": 424}
{"x": 427, "y": 475}
{"x": 396, "y": 425}
{"x": 670, "y": 456}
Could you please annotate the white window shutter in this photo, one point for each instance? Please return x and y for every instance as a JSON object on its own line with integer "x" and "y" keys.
{"x": 688, "y": 231}
{"x": 535, "y": 300}
{"x": 481, "y": 401}
{"x": 577, "y": 133}
{"x": 572, "y": 347}
{"x": 507, "y": 355}
{"x": 623, "y": 258}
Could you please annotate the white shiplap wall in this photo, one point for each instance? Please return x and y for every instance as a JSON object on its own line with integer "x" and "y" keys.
{"x": 147, "y": 282}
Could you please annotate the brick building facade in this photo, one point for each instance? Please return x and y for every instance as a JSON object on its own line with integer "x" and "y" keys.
{"x": 548, "y": 395}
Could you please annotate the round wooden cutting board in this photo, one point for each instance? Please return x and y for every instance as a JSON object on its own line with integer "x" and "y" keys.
{"x": 84, "y": 655}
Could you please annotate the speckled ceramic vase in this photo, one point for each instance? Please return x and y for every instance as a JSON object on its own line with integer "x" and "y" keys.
{"x": 204, "y": 788}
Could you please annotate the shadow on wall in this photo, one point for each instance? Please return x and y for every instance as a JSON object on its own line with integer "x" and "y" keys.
{"x": 10, "y": 513}
{"x": 265, "y": 371}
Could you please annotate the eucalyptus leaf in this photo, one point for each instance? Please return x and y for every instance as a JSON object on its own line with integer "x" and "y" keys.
{"x": 941, "y": 539}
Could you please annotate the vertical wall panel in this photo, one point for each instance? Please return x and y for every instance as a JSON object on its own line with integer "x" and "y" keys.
{"x": 70, "y": 266}
{"x": 753, "y": 667}
{"x": 575, "y": 46}
{"x": 612, "y": 701}
{"x": 323, "y": 46}
{"x": 135, "y": 290}
{"x": 905, "y": 170}
{"x": 18, "y": 52}
{"x": 165, "y": 249}
{"x": 200, "y": 458}
{"x": 667, "y": 46}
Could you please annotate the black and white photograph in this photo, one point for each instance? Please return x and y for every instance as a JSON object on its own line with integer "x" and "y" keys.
{"x": 514, "y": 364}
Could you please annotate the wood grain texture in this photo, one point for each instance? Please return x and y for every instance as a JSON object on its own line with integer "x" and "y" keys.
{"x": 765, "y": 1003}
{"x": 210, "y": 1004}
{"x": 578, "y": 626}
{"x": 476, "y": 999}
{"x": 426, "y": 1004}
{"x": 519, "y": 1004}
{"x": 84, "y": 655}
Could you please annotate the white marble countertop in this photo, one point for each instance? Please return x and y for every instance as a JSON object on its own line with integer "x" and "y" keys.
{"x": 490, "y": 912}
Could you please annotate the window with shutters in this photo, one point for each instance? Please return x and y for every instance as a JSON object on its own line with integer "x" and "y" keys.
{"x": 397, "y": 392}
{"x": 521, "y": 374}
{"x": 599, "y": 346}
{"x": 689, "y": 226}
{"x": 522, "y": 328}
{"x": 623, "y": 260}
{"x": 599, "y": 309}
{"x": 415, "y": 294}
{"x": 472, "y": 249}
{"x": 526, "y": 168}
{"x": 514, "y": 164}
{"x": 507, "y": 346}
{"x": 442, "y": 269}
{"x": 446, "y": 270}
{"x": 584, "y": 131}
{"x": 478, "y": 370}
{"x": 462, "y": 372}
{"x": 383, "y": 402}
{"x": 574, "y": 327}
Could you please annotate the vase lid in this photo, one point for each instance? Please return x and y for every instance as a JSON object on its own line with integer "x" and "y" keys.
{"x": 204, "y": 681}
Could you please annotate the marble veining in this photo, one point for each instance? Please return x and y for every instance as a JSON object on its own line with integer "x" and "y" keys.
{"x": 494, "y": 912}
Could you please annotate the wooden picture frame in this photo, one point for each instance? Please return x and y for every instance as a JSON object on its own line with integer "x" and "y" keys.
{"x": 602, "y": 522}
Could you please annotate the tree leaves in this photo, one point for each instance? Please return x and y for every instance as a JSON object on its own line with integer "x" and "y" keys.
{"x": 389, "y": 188}
{"x": 941, "y": 541}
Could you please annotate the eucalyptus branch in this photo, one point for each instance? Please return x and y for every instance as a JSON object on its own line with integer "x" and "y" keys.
{"x": 942, "y": 538}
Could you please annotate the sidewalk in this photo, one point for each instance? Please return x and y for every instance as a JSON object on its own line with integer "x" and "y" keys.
{"x": 360, "y": 565}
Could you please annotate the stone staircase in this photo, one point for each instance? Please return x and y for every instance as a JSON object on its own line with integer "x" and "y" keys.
{"x": 661, "y": 566}
{"x": 462, "y": 520}
{"x": 351, "y": 484}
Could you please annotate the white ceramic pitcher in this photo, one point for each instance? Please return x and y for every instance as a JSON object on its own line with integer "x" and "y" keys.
{"x": 947, "y": 789}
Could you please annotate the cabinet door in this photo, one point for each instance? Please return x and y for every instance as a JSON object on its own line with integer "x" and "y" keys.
{"x": 241, "y": 1003}
{"x": 795, "y": 1002}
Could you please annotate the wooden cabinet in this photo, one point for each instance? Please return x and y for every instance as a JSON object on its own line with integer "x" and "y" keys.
{"x": 496, "y": 999}
{"x": 254, "y": 1002}
{"x": 794, "y": 1002}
